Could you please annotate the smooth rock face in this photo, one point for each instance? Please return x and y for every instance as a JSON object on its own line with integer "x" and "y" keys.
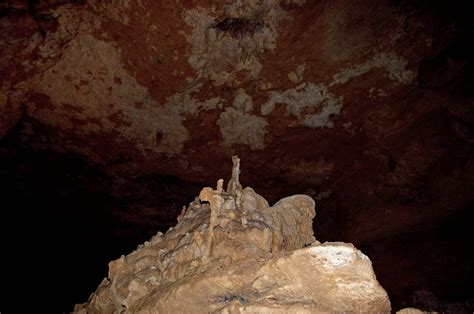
{"x": 410, "y": 310}
{"x": 231, "y": 256}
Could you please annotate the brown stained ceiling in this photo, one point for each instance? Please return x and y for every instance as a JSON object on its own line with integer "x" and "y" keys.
{"x": 366, "y": 106}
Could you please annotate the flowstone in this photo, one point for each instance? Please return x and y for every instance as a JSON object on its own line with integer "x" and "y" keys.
{"x": 232, "y": 253}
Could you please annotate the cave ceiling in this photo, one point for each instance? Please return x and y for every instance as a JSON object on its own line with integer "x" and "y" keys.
{"x": 366, "y": 107}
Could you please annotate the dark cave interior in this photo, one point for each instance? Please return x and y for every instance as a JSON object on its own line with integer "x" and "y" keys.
{"x": 84, "y": 181}
{"x": 74, "y": 217}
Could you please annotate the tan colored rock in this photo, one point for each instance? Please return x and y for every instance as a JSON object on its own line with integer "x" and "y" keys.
{"x": 410, "y": 310}
{"x": 370, "y": 107}
{"x": 214, "y": 262}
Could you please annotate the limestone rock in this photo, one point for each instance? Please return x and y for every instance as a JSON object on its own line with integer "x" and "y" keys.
{"x": 410, "y": 310}
{"x": 232, "y": 253}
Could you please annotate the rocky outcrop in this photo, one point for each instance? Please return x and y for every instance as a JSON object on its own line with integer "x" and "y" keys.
{"x": 365, "y": 106}
{"x": 410, "y": 310}
{"x": 232, "y": 253}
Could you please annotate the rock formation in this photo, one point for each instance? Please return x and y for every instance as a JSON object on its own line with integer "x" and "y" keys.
{"x": 232, "y": 253}
{"x": 366, "y": 106}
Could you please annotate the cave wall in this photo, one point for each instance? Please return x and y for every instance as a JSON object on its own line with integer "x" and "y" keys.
{"x": 367, "y": 107}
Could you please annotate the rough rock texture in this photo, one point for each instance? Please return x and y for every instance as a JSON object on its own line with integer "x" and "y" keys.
{"x": 366, "y": 106}
{"x": 410, "y": 310}
{"x": 232, "y": 253}
{"x": 142, "y": 81}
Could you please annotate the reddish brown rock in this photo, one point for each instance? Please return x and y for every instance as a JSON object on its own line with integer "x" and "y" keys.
{"x": 366, "y": 107}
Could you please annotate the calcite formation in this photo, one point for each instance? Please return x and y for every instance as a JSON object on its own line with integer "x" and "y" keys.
{"x": 366, "y": 106}
{"x": 232, "y": 253}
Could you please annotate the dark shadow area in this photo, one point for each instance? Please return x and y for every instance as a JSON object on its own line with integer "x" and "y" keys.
{"x": 63, "y": 220}
{"x": 428, "y": 268}
{"x": 57, "y": 229}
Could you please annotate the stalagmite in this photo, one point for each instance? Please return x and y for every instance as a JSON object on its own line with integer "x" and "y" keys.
{"x": 238, "y": 255}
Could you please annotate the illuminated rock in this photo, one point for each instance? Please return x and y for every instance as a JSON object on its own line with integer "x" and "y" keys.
{"x": 230, "y": 252}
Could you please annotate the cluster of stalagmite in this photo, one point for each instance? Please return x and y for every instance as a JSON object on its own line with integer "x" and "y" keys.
{"x": 232, "y": 253}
